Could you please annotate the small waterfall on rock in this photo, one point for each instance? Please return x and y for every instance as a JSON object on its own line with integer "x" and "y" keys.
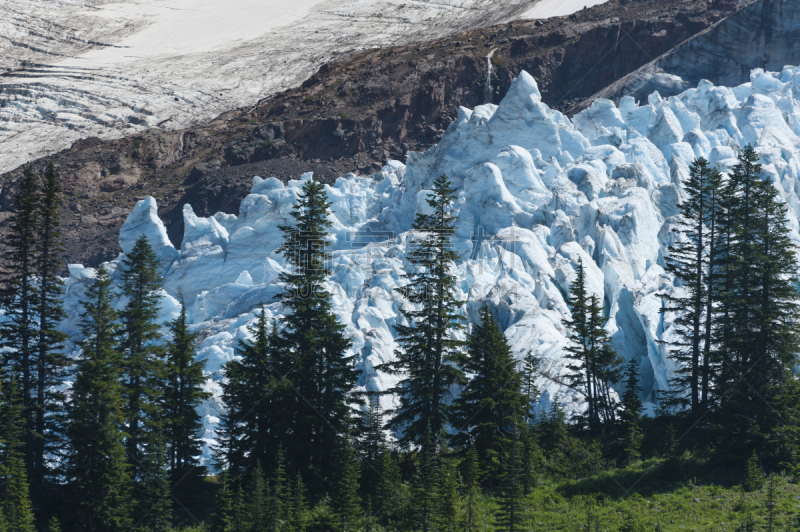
{"x": 488, "y": 88}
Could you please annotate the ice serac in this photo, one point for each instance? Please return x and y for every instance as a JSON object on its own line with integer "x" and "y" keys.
{"x": 537, "y": 194}
{"x": 144, "y": 221}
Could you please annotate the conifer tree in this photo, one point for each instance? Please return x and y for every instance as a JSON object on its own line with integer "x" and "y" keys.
{"x": 447, "y": 500}
{"x": 371, "y": 446}
{"x": 15, "y": 503}
{"x": 296, "y": 506}
{"x": 19, "y": 295}
{"x": 530, "y": 370}
{"x": 259, "y": 505}
{"x": 492, "y": 400}
{"x": 596, "y": 364}
{"x": 249, "y": 423}
{"x": 471, "y": 484}
{"x": 153, "y": 504}
{"x": 96, "y": 468}
{"x": 346, "y": 502}
{"x": 315, "y": 374}
{"x": 429, "y": 355}
{"x": 389, "y": 493}
{"x": 423, "y": 484}
{"x": 531, "y": 457}
{"x": 511, "y": 510}
{"x": 183, "y": 393}
{"x": 688, "y": 260}
{"x": 50, "y": 360}
{"x": 141, "y": 348}
{"x": 760, "y": 309}
{"x": 632, "y": 411}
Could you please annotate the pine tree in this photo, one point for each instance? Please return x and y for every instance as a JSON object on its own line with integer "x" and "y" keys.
{"x": 316, "y": 374}
{"x": 753, "y": 479}
{"x": 632, "y": 411}
{"x": 96, "y": 465}
{"x": 153, "y": 504}
{"x": 51, "y": 363}
{"x": 492, "y": 400}
{"x": 19, "y": 296}
{"x": 15, "y": 503}
{"x": 346, "y": 502}
{"x": 759, "y": 307}
{"x": 511, "y": 511}
{"x": 429, "y": 355}
{"x": 183, "y": 393}
{"x": 688, "y": 260}
{"x": 141, "y": 348}
{"x": 297, "y": 507}
{"x": 371, "y": 446}
{"x": 389, "y": 493}
{"x": 596, "y": 364}
{"x": 530, "y": 370}
{"x": 471, "y": 485}
{"x": 447, "y": 500}
{"x": 249, "y": 424}
{"x": 259, "y": 504}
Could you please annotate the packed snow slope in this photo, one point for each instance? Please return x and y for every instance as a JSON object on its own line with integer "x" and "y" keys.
{"x": 536, "y": 194}
{"x": 73, "y": 69}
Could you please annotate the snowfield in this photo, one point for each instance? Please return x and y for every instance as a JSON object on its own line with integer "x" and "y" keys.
{"x": 72, "y": 69}
{"x": 536, "y": 194}
{"x": 559, "y": 8}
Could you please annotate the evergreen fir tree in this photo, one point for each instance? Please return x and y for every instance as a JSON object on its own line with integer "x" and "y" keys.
{"x": 54, "y": 525}
{"x": 259, "y": 504}
{"x": 760, "y": 309}
{"x": 51, "y": 362}
{"x": 753, "y": 478}
{"x": 532, "y": 458}
{"x": 96, "y": 465}
{"x": 632, "y": 411}
{"x": 371, "y": 446}
{"x": 389, "y": 492}
{"x": 141, "y": 348}
{"x": 429, "y": 355}
{"x": 688, "y": 260}
{"x": 471, "y": 485}
{"x": 447, "y": 500}
{"x": 153, "y": 502}
{"x": 423, "y": 484}
{"x": 183, "y": 393}
{"x": 346, "y": 502}
{"x": 316, "y": 375}
{"x": 596, "y": 365}
{"x": 19, "y": 331}
{"x": 530, "y": 370}
{"x": 15, "y": 503}
{"x": 492, "y": 400}
{"x": 248, "y": 425}
{"x": 297, "y": 507}
{"x": 511, "y": 511}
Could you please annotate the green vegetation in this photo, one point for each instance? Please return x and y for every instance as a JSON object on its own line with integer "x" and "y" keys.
{"x": 300, "y": 449}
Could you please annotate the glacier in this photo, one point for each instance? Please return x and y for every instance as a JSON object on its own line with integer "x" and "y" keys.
{"x": 537, "y": 192}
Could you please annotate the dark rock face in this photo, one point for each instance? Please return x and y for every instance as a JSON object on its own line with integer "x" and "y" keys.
{"x": 356, "y": 113}
{"x": 765, "y": 34}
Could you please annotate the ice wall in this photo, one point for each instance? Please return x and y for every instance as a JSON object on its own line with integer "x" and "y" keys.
{"x": 536, "y": 193}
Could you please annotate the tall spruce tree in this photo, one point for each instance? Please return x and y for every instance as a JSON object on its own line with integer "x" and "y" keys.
{"x": 315, "y": 374}
{"x": 346, "y": 502}
{"x": 15, "y": 501}
{"x": 492, "y": 401}
{"x": 530, "y": 370}
{"x": 96, "y": 466}
{"x": 691, "y": 260}
{"x": 140, "y": 344}
{"x": 248, "y": 425}
{"x": 371, "y": 445}
{"x": 761, "y": 305}
{"x": 51, "y": 362}
{"x": 428, "y": 359}
{"x": 183, "y": 393}
{"x": 595, "y": 365}
{"x": 632, "y": 411}
{"x": 153, "y": 506}
{"x": 19, "y": 295}
{"x": 446, "y": 503}
{"x": 510, "y": 515}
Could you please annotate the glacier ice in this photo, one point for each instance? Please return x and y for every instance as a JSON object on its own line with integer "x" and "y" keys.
{"x": 537, "y": 192}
